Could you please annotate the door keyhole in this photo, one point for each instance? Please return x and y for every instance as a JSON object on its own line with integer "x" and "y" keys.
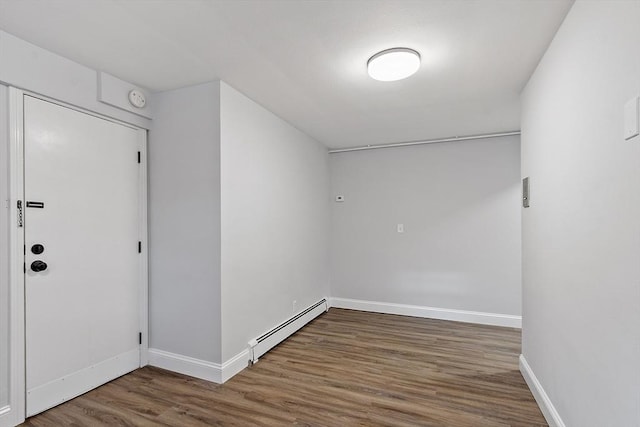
{"x": 37, "y": 249}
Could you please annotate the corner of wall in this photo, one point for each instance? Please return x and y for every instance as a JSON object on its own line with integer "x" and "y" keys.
{"x": 215, "y": 372}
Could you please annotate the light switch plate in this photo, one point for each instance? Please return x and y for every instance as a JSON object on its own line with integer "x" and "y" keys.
{"x": 631, "y": 118}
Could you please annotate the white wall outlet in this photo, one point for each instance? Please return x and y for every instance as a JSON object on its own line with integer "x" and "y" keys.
{"x": 339, "y": 198}
{"x": 632, "y": 118}
{"x": 400, "y": 228}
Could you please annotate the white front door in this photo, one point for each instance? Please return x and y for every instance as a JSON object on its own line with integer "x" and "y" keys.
{"x": 82, "y": 266}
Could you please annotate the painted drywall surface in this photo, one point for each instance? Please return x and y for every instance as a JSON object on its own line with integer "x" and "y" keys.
{"x": 184, "y": 222}
{"x": 26, "y": 66}
{"x": 459, "y": 205}
{"x": 4, "y": 248}
{"x": 275, "y": 220}
{"x": 581, "y": 235}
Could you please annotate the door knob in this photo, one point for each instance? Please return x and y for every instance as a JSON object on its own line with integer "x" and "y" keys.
{"x": 37, "y": 249}
{"x": 38, "y": 266}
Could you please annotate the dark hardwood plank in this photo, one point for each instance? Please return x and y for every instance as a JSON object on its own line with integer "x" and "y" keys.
{"x": 346, "y": 368}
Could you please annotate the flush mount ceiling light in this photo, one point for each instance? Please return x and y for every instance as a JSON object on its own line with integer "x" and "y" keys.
{"x": 393, "y": 64}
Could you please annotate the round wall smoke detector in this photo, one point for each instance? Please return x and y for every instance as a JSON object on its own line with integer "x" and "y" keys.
{"x": 137, "y": 98}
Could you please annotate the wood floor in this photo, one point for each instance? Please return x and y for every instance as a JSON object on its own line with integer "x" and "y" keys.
{"x": 346, "y": 368}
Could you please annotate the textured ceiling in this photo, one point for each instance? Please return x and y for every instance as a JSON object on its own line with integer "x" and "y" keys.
{"x": 306, "y": 60}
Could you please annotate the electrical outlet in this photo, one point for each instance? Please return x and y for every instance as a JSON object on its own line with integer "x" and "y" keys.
{"x": 400, "y": 228}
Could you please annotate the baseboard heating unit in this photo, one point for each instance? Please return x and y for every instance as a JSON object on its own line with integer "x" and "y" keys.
{"x": 265, "y": 342}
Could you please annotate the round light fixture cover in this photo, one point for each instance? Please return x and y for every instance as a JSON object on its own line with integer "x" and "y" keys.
{"x": 393, "y": 64}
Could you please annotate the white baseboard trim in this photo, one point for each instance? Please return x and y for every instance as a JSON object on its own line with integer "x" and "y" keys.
{"x": 494, "y": 319}
{"x": 209, "y": 371}
{"x": 186, "y": 365}
{"x": 546, "y": 406}
{"x": 234, "y": 365}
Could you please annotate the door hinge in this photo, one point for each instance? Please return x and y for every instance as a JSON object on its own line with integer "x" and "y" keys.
{"x": 139, "y": 247}
{"x": 139, "y": 157}
{"x": 24, "y": 267}
{"x": 140, "y": 338}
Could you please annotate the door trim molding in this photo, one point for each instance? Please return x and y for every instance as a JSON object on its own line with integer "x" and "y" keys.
{"x": 17, "y": 390}
{"x": 17, "y": 398}
{"x": 76, "y": 108}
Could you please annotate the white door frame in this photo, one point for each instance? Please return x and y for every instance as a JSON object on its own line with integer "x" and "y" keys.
{"x": 17, "y": 390}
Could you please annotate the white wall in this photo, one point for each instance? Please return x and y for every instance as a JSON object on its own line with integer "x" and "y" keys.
{"x": 29, "y": 67}
{"x": 581, "y": 236}
{"x": 275, "y": 220}
{"x": 459, "y": 203}
{"x": 184, "y": 222}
